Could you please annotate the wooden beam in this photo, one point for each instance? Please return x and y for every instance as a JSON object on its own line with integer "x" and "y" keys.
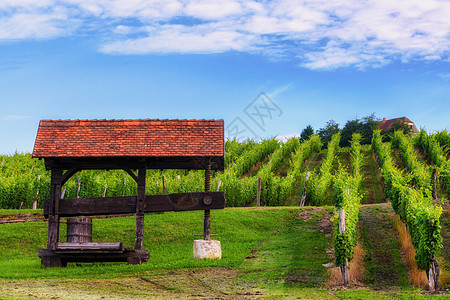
{"x": 110, "y": 163}
{"x": 131, "y": 173}
{"x": 127, "y": 205}
{"x": 69, "y": 173}
{"x": 90, "y": 247}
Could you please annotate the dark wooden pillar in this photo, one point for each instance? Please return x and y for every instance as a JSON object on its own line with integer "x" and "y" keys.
{"x": 207, "y": 219}
{"x": 53, "y": 218}
{"x": 139, "y": 239}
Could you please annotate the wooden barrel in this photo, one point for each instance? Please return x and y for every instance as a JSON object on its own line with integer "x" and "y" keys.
{"x": 79, "y": 230}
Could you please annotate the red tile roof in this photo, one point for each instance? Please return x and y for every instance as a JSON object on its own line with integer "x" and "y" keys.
{"x": 129, "y": 138}
{"x": 387, "y": 124}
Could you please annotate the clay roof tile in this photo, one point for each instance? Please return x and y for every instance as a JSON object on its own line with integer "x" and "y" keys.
{"x": 134, "y": 138}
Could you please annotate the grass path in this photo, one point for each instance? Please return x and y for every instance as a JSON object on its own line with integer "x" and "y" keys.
{"x": 372, "y": 183}
{"x": 384, "y": 267}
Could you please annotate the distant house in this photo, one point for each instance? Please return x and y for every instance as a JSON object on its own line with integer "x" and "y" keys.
{"x": 387, "y": 124}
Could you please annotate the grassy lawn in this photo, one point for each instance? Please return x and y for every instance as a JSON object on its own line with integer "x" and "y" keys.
{"x": 169, "y": 238}
{"x": 267, "y": 253}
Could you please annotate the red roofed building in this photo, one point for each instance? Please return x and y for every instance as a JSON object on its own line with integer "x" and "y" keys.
{"x": 70, "y": 146}
{"x": 386, "y": 125}
{"x": 151, "y": 139}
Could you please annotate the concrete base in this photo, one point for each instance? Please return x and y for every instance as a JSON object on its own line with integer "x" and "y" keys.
{"x": 207, "y": 249}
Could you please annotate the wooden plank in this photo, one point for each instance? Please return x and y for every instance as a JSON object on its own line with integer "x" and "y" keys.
{"x": 185, "y": 201}
{"x": 101, "y": 205}
{"x": 90, "y": 246}
{"x": 127, "y": 205}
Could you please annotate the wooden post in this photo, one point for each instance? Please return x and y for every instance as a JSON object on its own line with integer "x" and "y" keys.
{"x": 341, "y": 213}
{"x": 433, "y": 276}
{"x": 344, "y": 267}
{"x": 78, "y": 186}
{"x": 258, "y": 193}
{"x": 124, "y": 186}
{"x": 37, "y": 193}
{"x": 53, "y": 218}
{"x": 218, "y": 185}
{"x": 104, "y": 191}
{"x": 164, "y": 186}
{"x": 435, "y": 184}
{"x": 63, "y": 192}
{"x": 139, "y": 238}
{"x": 302, "y": 201}
{"x": 207, "y": 218}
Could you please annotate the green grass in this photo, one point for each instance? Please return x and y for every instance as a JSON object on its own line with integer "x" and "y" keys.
{"x": 19, "y": 211}
{"x": 273, "y": 253}
{"x": 383, "y": 260}
{"x": 372, "y": 184}
{"x": 293, "y": 256}
{"x": 169, "y": 238}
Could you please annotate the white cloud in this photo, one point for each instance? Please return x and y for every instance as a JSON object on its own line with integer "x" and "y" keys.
{"x": 286, "y": 137}
{"x": 177, "y": 38}
{"x": 320, "y": 34}
{"x": 212, "y": 9}
{"x": 445, "y": 76}
{"x": 13, "y": 117}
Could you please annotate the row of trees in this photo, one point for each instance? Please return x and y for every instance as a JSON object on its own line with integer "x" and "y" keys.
{"x": 415, "y": 209}
{"x": 347, "y": 196}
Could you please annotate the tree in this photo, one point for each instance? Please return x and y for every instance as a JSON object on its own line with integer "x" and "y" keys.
{"x": 364, "y": 126}
{"x": 327, "y": 132}
{"x": 352, "y": 126}
{"x": 370, "y": 124}
{"x": 306, "y": 133}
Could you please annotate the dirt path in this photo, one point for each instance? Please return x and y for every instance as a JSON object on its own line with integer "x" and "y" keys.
{"x": 384, "y": 267}
{"x": 211, "y": 283}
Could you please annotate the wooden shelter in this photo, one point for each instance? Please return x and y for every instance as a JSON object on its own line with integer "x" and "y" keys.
{"x": 69, "y": 146}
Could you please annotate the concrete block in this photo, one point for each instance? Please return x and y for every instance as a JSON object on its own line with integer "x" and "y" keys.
{"x": 207, "y": 249}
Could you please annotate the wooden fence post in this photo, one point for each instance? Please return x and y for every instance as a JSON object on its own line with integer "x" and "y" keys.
{"x": 218, "y": 185}
{"x": 164, "y": 185}
{"x": 435, "y": 184}
{"x": 258, "y": 193}
{"x": 344, "y": 267}
{"x": 433, "y": 276}
{"x": 78, "y": 186}
{"x": 104, "y": 191}
{"x": 37, "y": 193}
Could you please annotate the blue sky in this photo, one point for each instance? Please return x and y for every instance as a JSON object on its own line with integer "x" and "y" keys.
{"x": 314, "y": 60}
